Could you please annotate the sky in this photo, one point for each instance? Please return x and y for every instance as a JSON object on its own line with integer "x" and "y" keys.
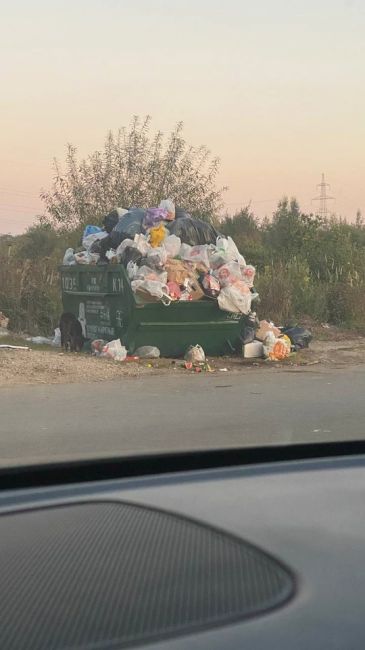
{"x": 275, "y": 89}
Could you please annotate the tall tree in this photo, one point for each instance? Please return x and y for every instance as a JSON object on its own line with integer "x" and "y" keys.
{"x": 134, "y": 168}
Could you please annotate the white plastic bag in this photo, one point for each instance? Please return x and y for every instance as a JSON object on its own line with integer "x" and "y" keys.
{"x": 85, "y": 257}
{"x": 195, "y": 354}
{"x": 248, "y": 275}
{"x": 169, "y": 206}
{"x": 153, "y": 287}
{"x": 142, "y": 244}
{"x": 228, "y": 274}
{"x": 69, "y": 257}
{"x": 126, "y": 243}
{"x": 114, "y": 350}
{"x": 146, "y": 273}
{"x": 233, "y": 300}
{"x": 148, "y": 352}
{"x": 195, "y": 254}
{"x": 230, "y": 250}
{"x": 56, "y": 341}
{"x": 132, "y": 270}
{"x": 172, "y": 245}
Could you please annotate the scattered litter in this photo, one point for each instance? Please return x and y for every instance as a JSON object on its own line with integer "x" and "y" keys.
{"x": 264, "y": 328}
{"x": 147, "y": 352}
{"x": 223, "y": 369}
{"x": 114, "y": 350}
{"x": 299, "y": 336}
{"x": 4, "y": 346}
{"x": 4, "y": 321}
{"x": 252, "y": 350}
{"x": 195, "y": 355}
{"x": 276, "y": 349}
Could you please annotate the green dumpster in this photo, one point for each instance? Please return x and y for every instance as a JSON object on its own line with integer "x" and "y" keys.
{"x": 103, "y": 300}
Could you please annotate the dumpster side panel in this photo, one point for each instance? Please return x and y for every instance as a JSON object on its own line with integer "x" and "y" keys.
{"x": 102, "y": 298}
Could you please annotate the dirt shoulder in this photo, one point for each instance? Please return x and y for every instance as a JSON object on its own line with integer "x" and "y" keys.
{"x": 44, "y": 365}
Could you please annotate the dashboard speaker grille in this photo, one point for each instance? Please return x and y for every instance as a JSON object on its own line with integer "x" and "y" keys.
{"x": 109, "y": 575}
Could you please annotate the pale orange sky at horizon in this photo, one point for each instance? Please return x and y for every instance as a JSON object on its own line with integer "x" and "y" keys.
{"x": 275, "y": 90}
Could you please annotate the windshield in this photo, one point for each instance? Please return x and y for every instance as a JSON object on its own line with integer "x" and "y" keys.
{"x": 182, "y": 247}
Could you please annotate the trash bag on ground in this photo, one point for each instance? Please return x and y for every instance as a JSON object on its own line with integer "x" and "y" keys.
{"x": 97, "y": 346}
{"x": 264, "y": 328}
{"x": 248, "y": 334}
{"x": 194, "y": 232}
{"x": 114, "y": 350}
{"x": 195, "y": 354}
{"x": 299, "y": 336}
{"x": 253, "y": 350}
{"x": 276, "y": 349}
{"x": 56, "y": 341}
{"x": 233, "y": 299}
{"x": 148, "y": 352}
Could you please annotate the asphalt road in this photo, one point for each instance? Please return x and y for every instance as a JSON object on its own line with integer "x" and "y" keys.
{"x": 53, "y": 422}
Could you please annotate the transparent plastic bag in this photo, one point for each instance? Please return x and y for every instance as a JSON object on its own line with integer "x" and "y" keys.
{"x": 69, "y": 257}
{"x": 231, "y": 253}
{"x": 195, "y": 354}
{"x": 142, "y": 244}
{"x": 148, "y": 352}
{"x": 169, "y": 206}
{"x": 248, "y": 275}
{"x": 276, "y": 349}
{"x": 172, "y": 245}
{"x": 195, "y": 254}
{"x": 114, "y": 350}
{"x": 228, "y": 274}
{"x": 85, "y": 257}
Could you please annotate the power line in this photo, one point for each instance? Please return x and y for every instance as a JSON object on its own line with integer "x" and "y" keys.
{"x": 323, "y": 198}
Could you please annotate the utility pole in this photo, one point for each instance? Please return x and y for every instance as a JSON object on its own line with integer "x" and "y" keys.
{"x": 323, "y": 198}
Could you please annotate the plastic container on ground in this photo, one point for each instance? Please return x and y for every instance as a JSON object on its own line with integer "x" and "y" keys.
{"x": 102, "y": 295}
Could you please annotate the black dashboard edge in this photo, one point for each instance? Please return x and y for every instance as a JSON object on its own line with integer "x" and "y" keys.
{"x": 89, "y": 470}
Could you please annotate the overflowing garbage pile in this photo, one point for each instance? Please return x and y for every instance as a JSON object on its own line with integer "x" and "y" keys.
{"x": 170, "y": 256}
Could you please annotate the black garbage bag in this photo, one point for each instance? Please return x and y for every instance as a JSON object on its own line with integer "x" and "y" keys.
{"x": 299, "y": 336}
{"x": 128, "y": 226}
{"x": 194, "y": 232}
{"x": 131, "y": 254}
{"x": 180, "y": 212}
{"x": 110, "y": 221}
